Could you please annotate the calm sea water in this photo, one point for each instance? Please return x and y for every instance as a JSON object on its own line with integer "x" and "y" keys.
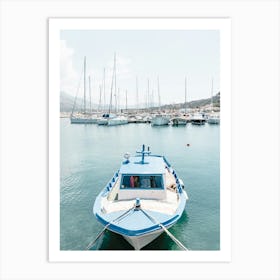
{"x": 90, "y": 155}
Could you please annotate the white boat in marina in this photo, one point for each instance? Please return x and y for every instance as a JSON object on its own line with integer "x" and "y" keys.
{"x": 178, "y": 121}
{"x": 213, "y": 119}
{"x": 84, "y": 117}
{"x": 160, "y": 119}
{"x": 105, "y": 119}
{"x": 147, "y": 119}
{"x": 132, "y": 119}
{"x": 139, "y": 119}
{"x": 198, "y": 119}
{"x": 119, "y": 120}
{"x": 143, "y": 199}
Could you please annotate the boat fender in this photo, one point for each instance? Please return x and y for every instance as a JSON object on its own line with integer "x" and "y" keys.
{"x": 179, "y": 188}
{"x": 181, "y": 183}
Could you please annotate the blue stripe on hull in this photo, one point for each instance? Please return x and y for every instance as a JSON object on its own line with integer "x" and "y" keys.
{"x": 129, "y": 232}
{"x": 137, "y": 223}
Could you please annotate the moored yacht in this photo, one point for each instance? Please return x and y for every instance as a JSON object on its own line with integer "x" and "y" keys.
{"x": 160, "y": 119}
{"x": 119, "y": 120}
{"x": 198, "y": 119}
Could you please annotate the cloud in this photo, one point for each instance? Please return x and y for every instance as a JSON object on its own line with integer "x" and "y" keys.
{"x": 69, "y": 77}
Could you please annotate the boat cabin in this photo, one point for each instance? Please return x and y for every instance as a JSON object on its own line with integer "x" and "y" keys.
{"x": 142, "y": 179}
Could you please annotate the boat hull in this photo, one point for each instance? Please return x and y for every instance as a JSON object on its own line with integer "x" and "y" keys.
{"x": 213, "y": 121}
{"x": 198, "y": 122}
{"x": 83, "y": 121}
{"x": 102, "y": 122}
{"x": 138, "y": 242}
{"x": 178, "y": 121}
{"x": 158, "y": 121}
{"x": 117, "y": 121}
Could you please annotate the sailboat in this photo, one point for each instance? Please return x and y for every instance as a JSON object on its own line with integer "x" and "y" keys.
{"x": 180, "y": 120}
{"x": 160, "y": 119}
{"x": 83, "y": 117}
{"x": 103, "y": 120}
{"x": 115, "y": 120}
{"x": 213, "y": 118}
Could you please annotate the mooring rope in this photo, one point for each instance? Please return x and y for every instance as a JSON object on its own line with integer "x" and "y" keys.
{"x": 104, "y": 229}
{"x": 166, "y": 230}
{"x": 118, "y": 219}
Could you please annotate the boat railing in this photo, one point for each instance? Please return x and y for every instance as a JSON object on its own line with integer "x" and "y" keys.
{"x": 110, "y": 184}
{"x": 178, "y": 184}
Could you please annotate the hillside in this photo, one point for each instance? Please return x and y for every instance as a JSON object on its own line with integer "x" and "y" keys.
{"x": 67, "y": 101}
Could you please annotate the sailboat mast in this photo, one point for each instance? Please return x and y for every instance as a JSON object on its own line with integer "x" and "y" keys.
{"x": 152, "y": 100}
{"x": 148, "y": 93}
{"x": 115, "y": 85}
{"x": 118, "y": 99}
{"x": 212, "y": 95}
{"x": 185, "y": 95}
{"x": 158, "y": 94}
{"x": 137, "y": 106}
{"x": 104, "y": 95}
{"x": 84, "y": 85}
{"x": 100, "y": 97}
{"x": 116, "y": 110}
{"x": 111, "y": 96}
{"x": 89, "y": 89}
{"x": 126, "y": 100}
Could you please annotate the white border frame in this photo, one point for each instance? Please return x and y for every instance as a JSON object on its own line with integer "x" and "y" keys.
{"x": 221, "y": 24}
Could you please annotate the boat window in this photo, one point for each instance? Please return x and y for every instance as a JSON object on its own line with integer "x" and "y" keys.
{"x": 143, "y": 182}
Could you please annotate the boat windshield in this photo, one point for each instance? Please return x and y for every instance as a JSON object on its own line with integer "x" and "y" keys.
{"x": 142, "y": 181}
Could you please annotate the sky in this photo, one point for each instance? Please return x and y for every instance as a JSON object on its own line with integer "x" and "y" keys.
{"x": 146, "y": 55}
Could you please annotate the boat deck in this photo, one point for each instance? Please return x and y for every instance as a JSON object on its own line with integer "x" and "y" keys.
{"x": 167, "y": 206}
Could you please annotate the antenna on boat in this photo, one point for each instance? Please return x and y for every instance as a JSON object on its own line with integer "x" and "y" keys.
{"x": 143, "y": 152}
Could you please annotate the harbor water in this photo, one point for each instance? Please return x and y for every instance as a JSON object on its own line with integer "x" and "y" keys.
{"x": 91, "y": 154}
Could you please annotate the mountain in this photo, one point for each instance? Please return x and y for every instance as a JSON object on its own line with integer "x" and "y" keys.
{"x": 67, "y": 102}
{"x": 196, "y": 103}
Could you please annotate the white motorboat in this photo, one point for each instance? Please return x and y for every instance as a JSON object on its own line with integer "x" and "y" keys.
{"x": 198, "y": 119}
{"x": 119, "y": 120}
{"x": 160, "y": 119}
{"x": 142, "y": 200}
{"x": 178, "y": 121}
